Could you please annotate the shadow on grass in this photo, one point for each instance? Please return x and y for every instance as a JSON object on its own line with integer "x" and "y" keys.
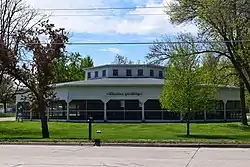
{"x": 19, "y": 132}
{"x": 40, "y": 138}
{"x": 207, "y": 137}
{"x": 239, "y": 127}
{"x": 25, "y": 134}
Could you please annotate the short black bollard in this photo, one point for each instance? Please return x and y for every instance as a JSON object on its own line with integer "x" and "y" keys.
{"x": 90, "y": 120}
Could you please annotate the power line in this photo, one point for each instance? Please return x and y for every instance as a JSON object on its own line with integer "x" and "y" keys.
{"x": 150, "y": 43}
{"x": 109, "y": 8}
{"x": 90, "y": 15}
{"x": 100, "y": 8}
{"x": 144, "y": 43}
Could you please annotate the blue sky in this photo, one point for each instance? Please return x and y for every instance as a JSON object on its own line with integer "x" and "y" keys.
{"x": 123, "y": 26}
{"x": 104, "y": 54}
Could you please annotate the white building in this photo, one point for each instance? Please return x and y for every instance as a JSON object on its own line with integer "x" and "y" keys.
{"x": 127, "y": 93}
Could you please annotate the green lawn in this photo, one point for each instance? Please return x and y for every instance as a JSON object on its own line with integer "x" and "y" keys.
{"x": 150, "y": 132}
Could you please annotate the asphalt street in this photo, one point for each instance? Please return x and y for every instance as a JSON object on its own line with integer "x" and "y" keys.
{"x": 76, "y": 156}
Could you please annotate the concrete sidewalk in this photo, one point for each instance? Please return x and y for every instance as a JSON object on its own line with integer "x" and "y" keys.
{"x": 7, "y": 119}
{"x": 176, "y": 145}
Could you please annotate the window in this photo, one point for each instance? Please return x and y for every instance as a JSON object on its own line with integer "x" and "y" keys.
{"x": 129, "y": 72}
{"x": 233, "y": 105}
{"x": 96, "y": 74}
{"x": 115, "y": 72}
{"x": 104, "y": 73}
{"x": 160, "y": 74}
{"x": 151, "y": 73}
{"x": 89, "y": 74}
{"x": 140, "y": 72}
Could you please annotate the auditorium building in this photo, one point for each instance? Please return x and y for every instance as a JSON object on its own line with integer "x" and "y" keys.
{"x": 126, "y": 93}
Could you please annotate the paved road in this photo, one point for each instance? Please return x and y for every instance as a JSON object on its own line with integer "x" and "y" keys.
{"x": 76, "y": 156}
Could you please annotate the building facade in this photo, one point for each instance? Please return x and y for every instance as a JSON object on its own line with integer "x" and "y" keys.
{"x": 126, "y": 93}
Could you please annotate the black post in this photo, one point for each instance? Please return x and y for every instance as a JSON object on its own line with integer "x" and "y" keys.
{"x": 188, "y": 123}
{"x": 90, "y": 127}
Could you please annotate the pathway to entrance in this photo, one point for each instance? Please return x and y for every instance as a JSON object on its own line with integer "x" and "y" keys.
{"x": 76, "y": 156}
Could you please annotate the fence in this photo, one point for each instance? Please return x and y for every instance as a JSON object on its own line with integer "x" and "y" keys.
{"x": 133, "y": 115}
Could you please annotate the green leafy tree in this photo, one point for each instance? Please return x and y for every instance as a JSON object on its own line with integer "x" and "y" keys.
{"x": 231, "y": 77}
{"x": 189, "y": 86}
{"x": 182, "y": 91}
{"x": 71, "y": 67}
{"x": 223, "y": 73}
{"x": 227, "y": 21}
{"x": 87, "y": 62}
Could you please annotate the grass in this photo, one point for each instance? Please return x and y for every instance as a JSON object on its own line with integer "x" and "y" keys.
{"x": 122, "y": 132}
{"x": 3, "y": 115}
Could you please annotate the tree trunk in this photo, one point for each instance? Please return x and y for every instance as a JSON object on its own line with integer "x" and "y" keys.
{"x": 243, "y": 103}
{"x": 44, "y": 122}
{"x": 5, "y": 107}
{"x": 188, "y": 124}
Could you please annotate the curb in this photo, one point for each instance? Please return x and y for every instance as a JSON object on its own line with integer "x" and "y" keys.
{"x": 178, "y": 145}
{"x": 191, "y": 145}
{"x": 48, "y": 143}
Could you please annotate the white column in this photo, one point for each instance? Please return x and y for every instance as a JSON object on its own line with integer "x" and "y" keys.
{"x": 47, "y": 111}
{"x": 68, "y": 111}
{"x": 225, "y": 109}
{"x": 16, "y": 111}
{"x": 205, "y": 113}
{"x": 143, "y": 111}
{"x": 105, "y": 111}
{"x": 30, "y": 115}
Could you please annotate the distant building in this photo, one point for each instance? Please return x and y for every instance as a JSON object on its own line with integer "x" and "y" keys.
{"x": 123, "y": 93}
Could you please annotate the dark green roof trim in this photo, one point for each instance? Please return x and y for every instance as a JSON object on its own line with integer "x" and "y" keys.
{"x": 125, "y": 65}
{"x": 130, "y": 82}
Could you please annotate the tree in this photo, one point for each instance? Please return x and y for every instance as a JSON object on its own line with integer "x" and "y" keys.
{"x": 6, "y": 92}
{"x": 61, "y": 69}
{"x": 38, "y": 73}
{"x": 243, "y": 102}
{"x": 9, "y": 88}
{"x": 182, "y": 92}
{"x": 227, "y": 21}
{"x": 87, "y": 62}
{"x": 186, "y": 89}
{"x": 19, "y": 35}
{"x": 119, "y": 59}
{"x": 71, "y": 67}
{"x": 15, "y": 16}
{"x": 225, "y": 74}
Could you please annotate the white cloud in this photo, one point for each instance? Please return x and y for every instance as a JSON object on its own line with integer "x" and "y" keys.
{"x": 140, "y": 25}
{"x": 112, "y": 50}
